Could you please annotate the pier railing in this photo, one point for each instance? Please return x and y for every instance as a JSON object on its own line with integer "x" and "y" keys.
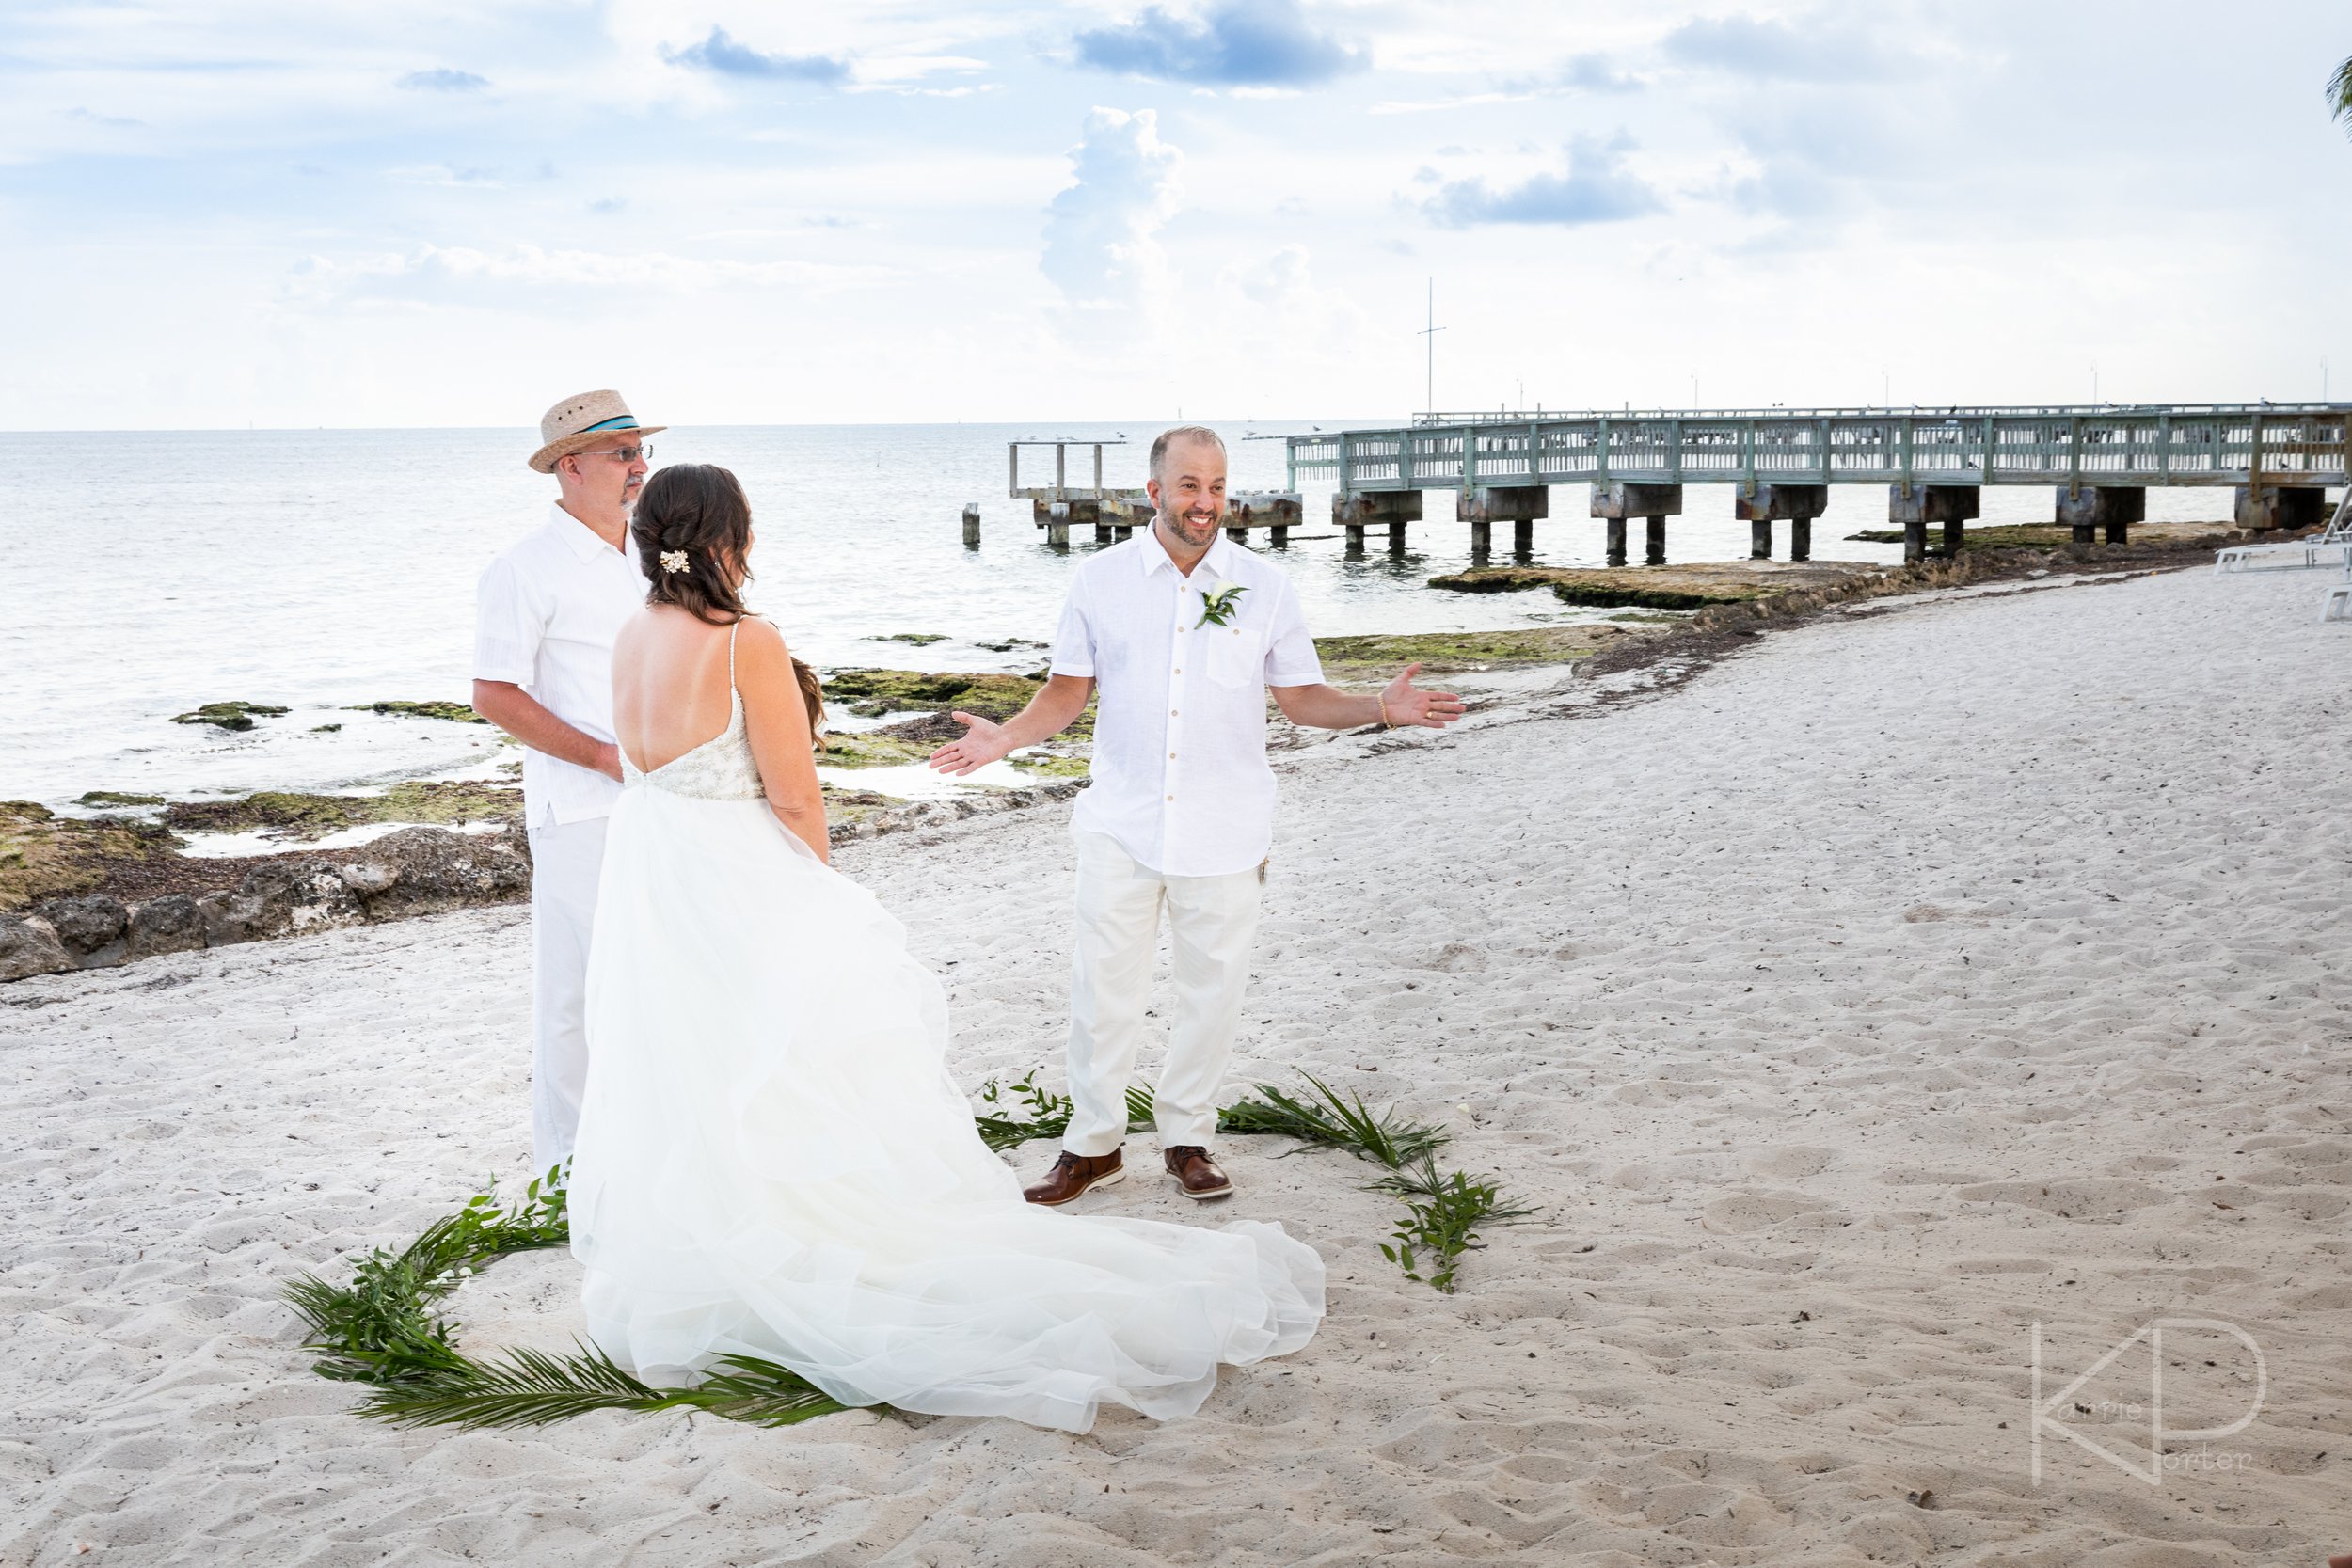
{"x": 2181, "y": 444}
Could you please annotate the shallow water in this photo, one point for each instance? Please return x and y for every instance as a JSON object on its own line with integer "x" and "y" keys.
{"x": 150, "y": 572}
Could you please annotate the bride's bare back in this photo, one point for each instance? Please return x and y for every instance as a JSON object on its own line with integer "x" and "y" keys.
{"x": 670, "y": 695}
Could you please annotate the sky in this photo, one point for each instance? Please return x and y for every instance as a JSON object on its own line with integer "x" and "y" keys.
{"x": 432, "y": 214}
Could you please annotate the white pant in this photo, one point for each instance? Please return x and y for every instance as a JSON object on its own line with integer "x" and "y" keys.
{"x": 1211, "y": 920}
{"x": 565, "y": 863}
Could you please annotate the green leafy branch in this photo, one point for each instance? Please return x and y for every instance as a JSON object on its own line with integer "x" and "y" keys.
{"x": 384, "y": 1329}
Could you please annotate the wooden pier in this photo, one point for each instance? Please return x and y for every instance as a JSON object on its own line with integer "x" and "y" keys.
{"x": 2277, "y": 458}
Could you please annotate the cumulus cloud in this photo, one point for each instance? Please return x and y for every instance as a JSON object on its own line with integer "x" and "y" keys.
{"x": 1816, "y": 48}
{"x": 1236, "y": 44}
{"x": 1102, "y": 231}
{"x": 443, "y": 80}
{"x": 727, "y": 55}
{"x": 1595, "y": 188}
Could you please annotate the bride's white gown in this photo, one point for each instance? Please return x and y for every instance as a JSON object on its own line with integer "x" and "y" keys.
{"x": 772, "y": 1159}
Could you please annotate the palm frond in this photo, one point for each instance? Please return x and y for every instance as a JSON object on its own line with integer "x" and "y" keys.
{"x": 762, "y": 1392}
{"x": 2340, "y": 94}
{"x": 528, "y": 1388}
{"x": 1387, "y": 1138}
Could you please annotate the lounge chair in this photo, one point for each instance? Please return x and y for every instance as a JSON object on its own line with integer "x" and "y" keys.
{"x": 2330, "y": 551}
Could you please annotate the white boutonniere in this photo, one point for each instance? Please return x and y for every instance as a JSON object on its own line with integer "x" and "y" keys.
{"x": 1216, "y": 609}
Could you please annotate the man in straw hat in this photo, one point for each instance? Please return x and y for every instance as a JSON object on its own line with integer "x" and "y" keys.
{"x": 544, "y": 620}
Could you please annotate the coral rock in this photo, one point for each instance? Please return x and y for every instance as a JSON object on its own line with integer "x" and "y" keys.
{"x": 29, "y": 947}
{"x": 171, "y": 923}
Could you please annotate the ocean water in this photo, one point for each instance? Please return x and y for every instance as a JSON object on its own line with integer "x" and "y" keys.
{"x": 142, "y": 574}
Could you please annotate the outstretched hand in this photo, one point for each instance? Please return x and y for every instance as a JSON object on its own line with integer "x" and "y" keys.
{"x": 983, "y": 742}
{"x": 1405, "y": 704}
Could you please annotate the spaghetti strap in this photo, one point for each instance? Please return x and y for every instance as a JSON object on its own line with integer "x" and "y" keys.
{"x": 731, "y": 631}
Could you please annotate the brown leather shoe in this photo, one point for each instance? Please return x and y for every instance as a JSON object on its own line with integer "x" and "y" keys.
{"x": 1196, "y": 1175}
{"x": 1074, "y": 1173}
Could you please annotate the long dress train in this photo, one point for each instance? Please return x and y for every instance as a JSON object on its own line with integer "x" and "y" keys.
{"x": 772, "y": 1159}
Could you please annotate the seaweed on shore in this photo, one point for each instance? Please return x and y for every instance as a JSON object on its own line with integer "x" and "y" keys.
{"x": 459, "y": 713}
{"x": 43, "y": 855}
{"x": 234, "y": 715}
{"x": 294, "y": 814}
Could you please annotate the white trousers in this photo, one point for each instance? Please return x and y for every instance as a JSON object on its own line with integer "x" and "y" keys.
{"x": 565, "y": 863}
{"x": 1211, "y": 920}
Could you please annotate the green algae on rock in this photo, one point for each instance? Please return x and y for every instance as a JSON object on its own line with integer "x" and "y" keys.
{"x": 871, "y": 693}
{"x": 43, "y": 855}
{"x": 116, "y": 798}
{"x": 458, "y": 713}
{"x": 868, "y": 749}
{"x": 229, "y": 716}
{"x": 1688, "y": 587}
{"x": 288, "y": 813}
{"x": 920, "y": 638}
{"x": 1446, "y": 652}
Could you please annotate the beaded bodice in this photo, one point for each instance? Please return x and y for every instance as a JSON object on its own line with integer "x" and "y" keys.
{"x": 721, "y": 768}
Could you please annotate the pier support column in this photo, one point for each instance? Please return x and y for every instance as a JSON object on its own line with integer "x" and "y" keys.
{"x": 1483, "y": 506}
{"x": 2295, "y": 506}
{"x": 2110, "y": 509}
{"x": 1913, "y": 507}
{"x": 1773, "y": 503}
{"x": 1524, "y": 540}
{"x": 1354, "y": 512}
{"x": 1057, "y": 525}
{"x": 972, "y": 525}
{"x": 1654, "y": 541}
{"x": 1617, "y": 500}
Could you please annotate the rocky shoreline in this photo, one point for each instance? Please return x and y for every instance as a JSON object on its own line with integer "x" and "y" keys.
{"x": 137, "y": 897}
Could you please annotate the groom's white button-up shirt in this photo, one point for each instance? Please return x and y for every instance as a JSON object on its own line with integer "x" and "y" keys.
{"x": 545, "y": 616}
{"x": 1180, "y": 773}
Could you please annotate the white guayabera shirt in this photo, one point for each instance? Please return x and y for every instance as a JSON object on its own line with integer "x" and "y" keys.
{"x": 545, "y": 616}
{"x": 1180, "y": 771}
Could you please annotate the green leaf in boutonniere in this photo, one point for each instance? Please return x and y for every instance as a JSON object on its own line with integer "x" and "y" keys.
{"x": 1217, "y": 609}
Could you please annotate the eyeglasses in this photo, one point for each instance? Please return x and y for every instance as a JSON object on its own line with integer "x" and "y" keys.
{"x": 626, "y": 454}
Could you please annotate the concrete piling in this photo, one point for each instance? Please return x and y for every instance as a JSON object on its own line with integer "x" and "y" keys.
{"x": 1772, "y": 503}
{"x": 1615, "y": 500}
{"x": 1355, "y": 511}
{"x": 1913, "y": 507}
{"x": 1521, "y": 505}
{"x": 972, "y": 525}
{"x": 2091, "y": 510}
{"x": 2295, "y": 506}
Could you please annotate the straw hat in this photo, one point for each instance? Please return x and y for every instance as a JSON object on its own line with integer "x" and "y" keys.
{"x": 584, "y": 421}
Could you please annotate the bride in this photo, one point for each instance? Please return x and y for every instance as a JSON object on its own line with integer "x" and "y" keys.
{"x": 772, "y": 1159}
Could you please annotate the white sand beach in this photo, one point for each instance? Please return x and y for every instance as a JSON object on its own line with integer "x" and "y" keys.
{"x": 1941, "y": 967}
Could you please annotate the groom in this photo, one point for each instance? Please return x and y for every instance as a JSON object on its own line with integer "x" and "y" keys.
{"x": 545, "y": 616}
{"x": 1184, "y": 631}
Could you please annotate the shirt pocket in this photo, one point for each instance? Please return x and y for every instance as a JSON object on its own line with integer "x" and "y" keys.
{"x": 1236, "y": 655}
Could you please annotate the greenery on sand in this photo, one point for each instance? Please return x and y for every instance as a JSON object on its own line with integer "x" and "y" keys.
{"x": 290, "y": 814}
{"x": 459, "y": 713}
{"x": 1444, "y": 1210}
{"x": 385, "y": 1330}
{"x": 229, "y": 716}
{"x": 43, "y": 855}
